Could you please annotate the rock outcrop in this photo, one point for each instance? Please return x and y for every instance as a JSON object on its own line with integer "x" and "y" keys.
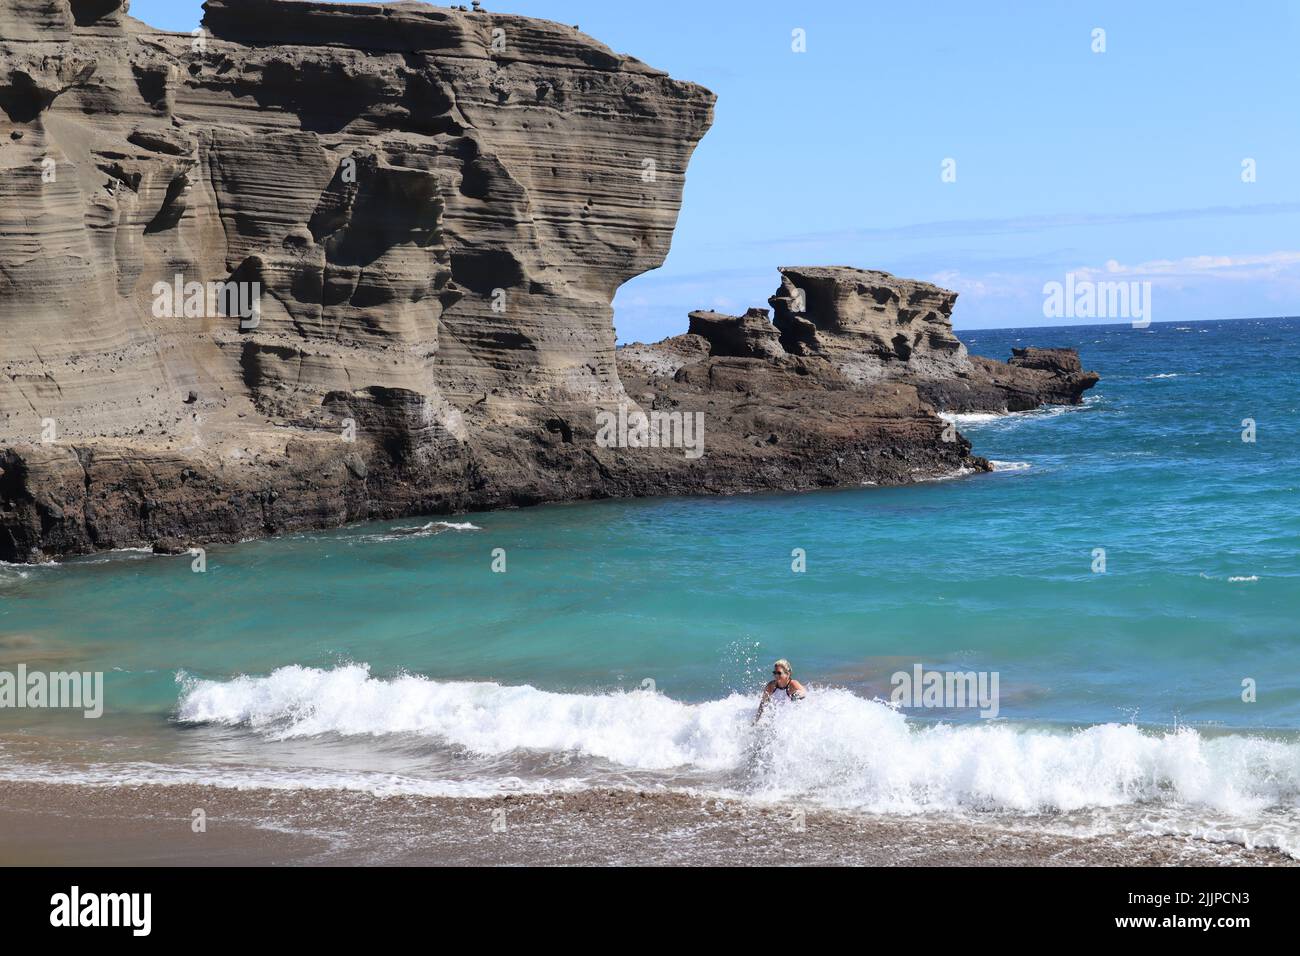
{"x": 873, "y": 325}
{"x": 746, "y": 336}
{"x": 867, "y": 328}
{"x": 1032, "y": 377}
{"x": 868, "y": 323}
{"x": 850, "y": 390}
{"x": 323, "y": 263}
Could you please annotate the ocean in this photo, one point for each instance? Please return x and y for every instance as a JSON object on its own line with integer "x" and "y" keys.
{"x": 1130, "y": 572}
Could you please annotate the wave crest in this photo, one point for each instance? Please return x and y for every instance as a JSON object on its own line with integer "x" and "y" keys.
{"x": 835, "y": 748}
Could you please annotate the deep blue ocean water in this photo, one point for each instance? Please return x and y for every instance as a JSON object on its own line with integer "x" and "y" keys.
{"x": 626, "y": 640}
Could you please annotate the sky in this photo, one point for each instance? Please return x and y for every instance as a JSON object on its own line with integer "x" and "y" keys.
{"x": 1123, "y": 164}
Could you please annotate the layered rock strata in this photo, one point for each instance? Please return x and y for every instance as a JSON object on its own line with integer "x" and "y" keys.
{"x": 845, "y": 385}
{"x": 322, "y": 263}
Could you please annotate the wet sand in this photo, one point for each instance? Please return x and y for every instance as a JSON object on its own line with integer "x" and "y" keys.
{"x": 69, "y": 824}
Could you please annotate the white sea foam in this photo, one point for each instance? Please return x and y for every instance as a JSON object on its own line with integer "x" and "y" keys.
{"x": 116, "y": 554}
{"x": 973, "y": 418}
{"x": 835, "y": 748}
{"x": 434, "y": 527}
{"x": 960, "y": 472}
{"x": 224, "y": 777}
{"x": 1009, "y": 418}
{"x": 1164, "y": 375}
{"x": 1253, "y": 577}
{"x": 485, "y": 718}
{"x": 12, "y": 573}
{"x": 1009, "y": 465}
{"x": 421, "y": 531}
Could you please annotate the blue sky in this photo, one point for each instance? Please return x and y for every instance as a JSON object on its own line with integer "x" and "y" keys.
{"x": 1127, "y": 162}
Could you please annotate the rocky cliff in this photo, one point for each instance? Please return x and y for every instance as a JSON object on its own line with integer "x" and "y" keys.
{"x": 322, "y": 263}
{"x": 872, "y": 325}
{"x": 843, "y": 387}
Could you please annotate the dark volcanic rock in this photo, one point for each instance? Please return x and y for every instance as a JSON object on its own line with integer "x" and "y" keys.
{"x": 751, "y": 335}
{"x": 874, "y": 359}
{"x": 429, "y": 212}
{"x": 170, "y": 546}
{"x": 1032, "y": 377}
{"x": 794, "y": 423}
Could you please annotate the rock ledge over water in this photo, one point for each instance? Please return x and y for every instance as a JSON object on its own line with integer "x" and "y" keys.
{"x": 423, "y": 214}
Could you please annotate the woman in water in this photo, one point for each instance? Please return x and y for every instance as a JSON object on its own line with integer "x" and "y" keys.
{"x": 781, "y": 685}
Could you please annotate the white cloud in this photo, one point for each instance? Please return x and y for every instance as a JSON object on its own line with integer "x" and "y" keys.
{"x": 962, "y": 285}
{"x": 1270, "y": 266}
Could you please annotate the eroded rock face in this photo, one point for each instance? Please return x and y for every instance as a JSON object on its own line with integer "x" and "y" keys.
{"x": 751, "y": 335}
{"x": 872, "y": 326}
{"x": 434, "y": 207}
{"x": 326, "y": 263}
{"x": 793, "y": 423}
{"x": 1031, "y": 378}
{"x": 867, "y": 322}
{"x": 871, "y": 360}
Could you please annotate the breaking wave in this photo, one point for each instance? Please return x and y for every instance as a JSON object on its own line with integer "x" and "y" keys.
{"x": 964, "y": 419}
{"x": 835, "y": 748}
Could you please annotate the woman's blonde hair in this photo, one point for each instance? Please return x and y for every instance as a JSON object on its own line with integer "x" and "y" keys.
{"x": 784, "y": 665}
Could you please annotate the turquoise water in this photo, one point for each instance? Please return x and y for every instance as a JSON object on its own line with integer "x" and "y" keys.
{"x": 414, "y": 662}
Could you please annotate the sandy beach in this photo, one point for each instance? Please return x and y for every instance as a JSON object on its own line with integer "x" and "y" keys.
{"x": 56, "y": 824}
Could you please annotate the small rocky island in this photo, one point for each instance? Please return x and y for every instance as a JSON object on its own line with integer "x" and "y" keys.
{"x": 425, "y": 213}
{"x": 842, "y": 387}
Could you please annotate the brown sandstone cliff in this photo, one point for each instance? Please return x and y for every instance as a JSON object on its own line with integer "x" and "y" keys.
{"x": 431, "y": 210}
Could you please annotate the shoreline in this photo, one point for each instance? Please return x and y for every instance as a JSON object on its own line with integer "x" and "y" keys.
{"x": 150, "y": 549}
{"x": 55, "y": 824}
